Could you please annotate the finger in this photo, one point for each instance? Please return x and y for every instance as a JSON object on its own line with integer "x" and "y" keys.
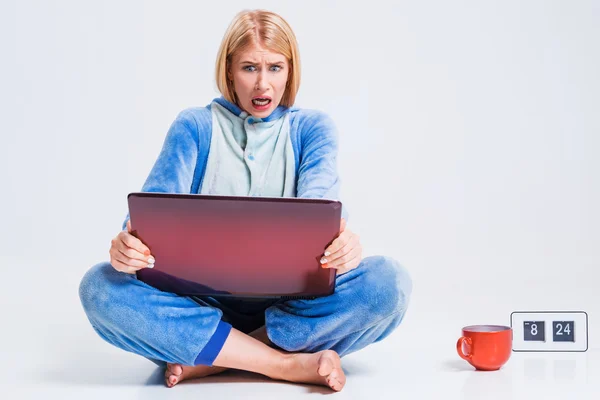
{"x": 134, "y": 261}
{"x": 128, "y": 225}
{"x": 338, "y": 243}
{"x": 129, "y": 262}
{"x": 134, "y": 254}
{"x": 119, "y": 266}
{"x": 131, "y": 241}
{"x": 118, "y": 246}
{"x": 333, "y": 258}
{"x": 116, "y": 254}
{"x": 349, "y": 266}
{"x": 339, "y": 246}
{"x": 345, "y": 259}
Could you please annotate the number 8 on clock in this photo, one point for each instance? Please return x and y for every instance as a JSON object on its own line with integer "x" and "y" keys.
{"x": 534, "y": 331}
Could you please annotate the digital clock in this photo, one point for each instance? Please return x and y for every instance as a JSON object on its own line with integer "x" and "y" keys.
{"x": 549, "y": 330}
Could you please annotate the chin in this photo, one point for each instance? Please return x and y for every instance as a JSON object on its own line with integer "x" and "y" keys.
{"x": 262, "y": 114}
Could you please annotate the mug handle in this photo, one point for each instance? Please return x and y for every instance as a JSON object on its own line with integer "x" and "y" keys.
{"x": 459, "y": 346}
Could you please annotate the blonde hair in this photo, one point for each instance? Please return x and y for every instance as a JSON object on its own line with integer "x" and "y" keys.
{"x": 264, "y": 28}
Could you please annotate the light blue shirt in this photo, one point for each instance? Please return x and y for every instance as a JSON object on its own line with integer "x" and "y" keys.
{"x": 249, "y": 157}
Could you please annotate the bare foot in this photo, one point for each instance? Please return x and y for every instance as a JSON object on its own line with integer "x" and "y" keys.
{"x": 322, "y": 368}
{"x": 175, "y": 373}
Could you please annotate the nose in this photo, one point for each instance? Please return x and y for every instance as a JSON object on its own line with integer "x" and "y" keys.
{"x": 261, "y": 81}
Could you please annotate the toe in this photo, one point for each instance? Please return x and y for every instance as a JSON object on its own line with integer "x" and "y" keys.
{"x": 340, "y": 382}
{"x": 333, "y": 375}
{"x": 342, "y": 379}
{"x": 173, "y": 374}
{"x": 330, "y": 368}
{"x": 325, "y": 366}
{"x": 335, "y": 381}
{"x": 174, "y": 369}
{"x": 337, "y": 386}
{"x": 177, "y": 369}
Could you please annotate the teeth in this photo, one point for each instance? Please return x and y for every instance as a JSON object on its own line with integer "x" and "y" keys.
{"x": 261, "y": 102}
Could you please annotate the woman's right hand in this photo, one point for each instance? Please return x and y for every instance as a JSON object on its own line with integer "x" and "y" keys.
{"x": 128, "y": 254}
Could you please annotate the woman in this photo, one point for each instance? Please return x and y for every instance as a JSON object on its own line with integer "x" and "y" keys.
{"x": 250, "y": 141}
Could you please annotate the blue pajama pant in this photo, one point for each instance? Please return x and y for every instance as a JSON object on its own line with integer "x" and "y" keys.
{"x": 369, "y": 302}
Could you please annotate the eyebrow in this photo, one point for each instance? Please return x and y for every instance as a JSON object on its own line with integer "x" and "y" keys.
{"x": 252, "y": 62}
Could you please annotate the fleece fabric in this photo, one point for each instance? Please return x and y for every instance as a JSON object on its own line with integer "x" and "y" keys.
{"x": 182, "y": 162}
{"x": 301, "y": 147}
{"x": 249, "y": 158}
{"x": 368, "y": 303}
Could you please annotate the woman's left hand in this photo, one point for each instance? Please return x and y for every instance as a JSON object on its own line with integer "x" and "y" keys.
{"x": 345, "y": 253}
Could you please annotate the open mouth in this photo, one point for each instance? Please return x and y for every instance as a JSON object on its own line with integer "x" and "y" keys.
{"x": 261, "y": 101}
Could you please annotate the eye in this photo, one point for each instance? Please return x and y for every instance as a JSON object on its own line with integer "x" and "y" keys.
{"x": 276, "y": 68}
{"x": 249, "y": 68}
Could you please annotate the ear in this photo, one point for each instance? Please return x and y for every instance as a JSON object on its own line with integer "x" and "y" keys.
{"x": 229, "y": 74}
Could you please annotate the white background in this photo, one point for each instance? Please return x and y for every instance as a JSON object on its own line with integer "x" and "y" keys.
{"x": 469, "y": 135}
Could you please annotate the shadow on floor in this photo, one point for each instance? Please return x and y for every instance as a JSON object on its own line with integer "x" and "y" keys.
{"x": 456, "y": 366}
{"x": 231, "y": 376}
{"x": 102, "y": 371}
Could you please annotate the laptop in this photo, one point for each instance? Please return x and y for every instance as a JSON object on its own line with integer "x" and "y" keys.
{"x": 236, "y": 246}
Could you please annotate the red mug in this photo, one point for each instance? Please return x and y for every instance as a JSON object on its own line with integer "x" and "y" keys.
{"x": 488, "y": 347}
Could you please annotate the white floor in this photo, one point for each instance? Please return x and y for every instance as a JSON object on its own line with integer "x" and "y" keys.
{"x": 50, "y": 351}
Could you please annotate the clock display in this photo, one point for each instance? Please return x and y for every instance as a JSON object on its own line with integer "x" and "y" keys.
{"x": 534, "y": 331}
{"x": 563, "y": 331}
{"x": 549, "y": 331}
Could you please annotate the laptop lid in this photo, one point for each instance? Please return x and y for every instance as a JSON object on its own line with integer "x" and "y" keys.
{"x": 240, "y": 246}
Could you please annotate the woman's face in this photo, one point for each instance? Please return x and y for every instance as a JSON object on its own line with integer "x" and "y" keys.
{"x": 259, "y": 77}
